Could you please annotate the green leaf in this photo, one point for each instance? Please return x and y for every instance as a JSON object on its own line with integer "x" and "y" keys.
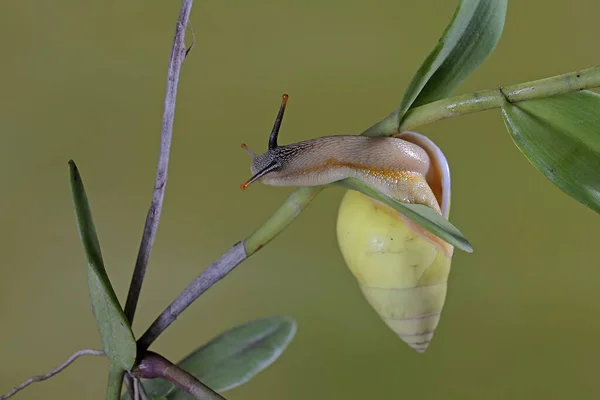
{"x": 467, "y": 41}
{"x": 117, "y": 338}
{"x": 560, "y": 136}
{"x": 115, "y": 381}
{"x": 232, "y": 358}
{"x": 421, "y": 214}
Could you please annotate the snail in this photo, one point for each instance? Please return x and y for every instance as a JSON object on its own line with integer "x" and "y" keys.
{"x": 402, "y": 269}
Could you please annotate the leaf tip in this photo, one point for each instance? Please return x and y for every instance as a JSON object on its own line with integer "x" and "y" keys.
{"x": 73, "y": 170}
{"x": 291, "y": 323}
{"x": 468, "y": 247}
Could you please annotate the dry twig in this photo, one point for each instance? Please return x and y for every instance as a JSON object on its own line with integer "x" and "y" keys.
{"x": 39, "y": 378}
{"x": 178, "y": 54}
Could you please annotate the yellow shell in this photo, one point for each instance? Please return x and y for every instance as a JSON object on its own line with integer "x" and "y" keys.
{"x": 403, "y": 276}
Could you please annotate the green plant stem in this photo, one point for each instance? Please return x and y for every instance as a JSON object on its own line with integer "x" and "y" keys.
{"x": 301, "y": 197}
{"x": 281, "y": 218}
{"x": 489, "y": 99}
{"x": 486, "y": 100}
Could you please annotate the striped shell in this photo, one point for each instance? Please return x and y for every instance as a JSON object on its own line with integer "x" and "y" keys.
{"x": 402, "y": 272}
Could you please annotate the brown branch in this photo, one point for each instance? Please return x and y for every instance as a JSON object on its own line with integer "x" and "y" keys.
{"x": 39, "y": 378}
{"x": 154, "y": 366}
{"x": 211, "y": 275}
{"x": 178, "y": 53}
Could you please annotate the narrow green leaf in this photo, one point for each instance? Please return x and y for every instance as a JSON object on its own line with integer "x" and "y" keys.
{"x": 421, "y": 214}
{"x": 468, "y": 40}
{"x": 117, "y": 338}
{"x": 560, "y": 136}
{"x": 115, "y": 381}
{"x": 232, "y": 358}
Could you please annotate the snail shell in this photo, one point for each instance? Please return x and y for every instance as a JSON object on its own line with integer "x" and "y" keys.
{"x": 401, "y": 269}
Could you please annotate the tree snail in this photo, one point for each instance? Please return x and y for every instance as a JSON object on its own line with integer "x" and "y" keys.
{"x": 401, "y": 268}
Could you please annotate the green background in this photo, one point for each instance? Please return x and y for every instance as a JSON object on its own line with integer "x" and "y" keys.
{"x": 85, "y": 80}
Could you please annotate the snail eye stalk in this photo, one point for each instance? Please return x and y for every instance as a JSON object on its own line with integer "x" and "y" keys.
{"x": 250, "y": 152}
{"x": 277, "y": 125}
{"x": 273, "y": 166}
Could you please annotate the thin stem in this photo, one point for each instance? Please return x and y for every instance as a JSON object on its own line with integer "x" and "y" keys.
{"x": 129, "y": 385}
{"x": 178, "y": 53}
{"x": 154, "y": 366}
{"x": 494, "y": 98}
{"x": 214, "y": 273}
{"x": 486, "y": 100}
{"x": 289, "y": 210}
{"x": 57, "y": 370}
{"x": 142, "y": 390}
{"x": 280, "y": 219}
{"x": 136, "y": 389}
{"x": 301, "y": 197}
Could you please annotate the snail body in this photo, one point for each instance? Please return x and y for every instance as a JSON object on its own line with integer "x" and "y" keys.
{"x": 374, "y": 161}
{"x": 402, "y": 269}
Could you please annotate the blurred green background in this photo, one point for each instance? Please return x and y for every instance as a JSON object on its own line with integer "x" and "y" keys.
{"x": 85, "y": 80}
